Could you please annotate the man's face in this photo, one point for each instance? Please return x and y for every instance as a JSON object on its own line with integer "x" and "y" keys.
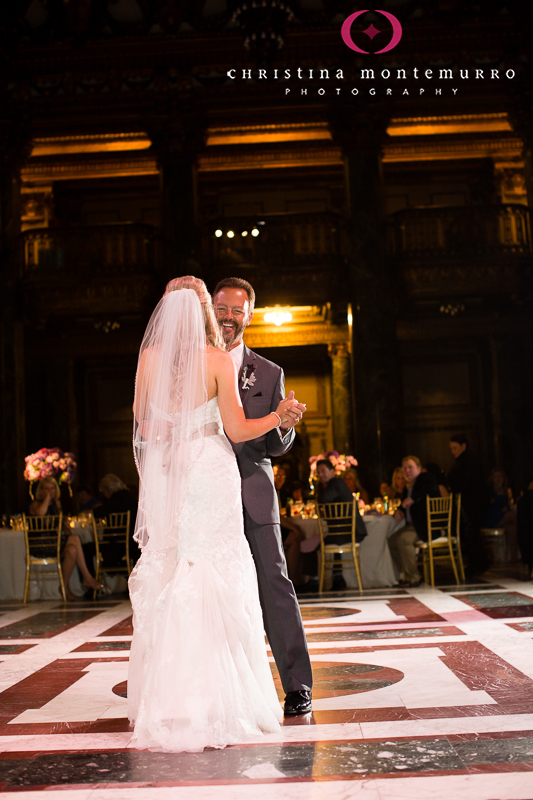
{"x": 457, "y": 449}
{"x": 279, "y": 477}
{"x": 411, "y": 470}
{"x": 324, "y": 473}
{"x": 232, "y": 310}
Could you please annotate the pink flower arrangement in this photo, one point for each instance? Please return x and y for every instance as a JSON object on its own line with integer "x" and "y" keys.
{"x": 341, "y": 462}
{"x": 50, "y": 462}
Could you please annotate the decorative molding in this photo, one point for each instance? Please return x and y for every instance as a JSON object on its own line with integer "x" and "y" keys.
{"x": 100, "y": 143}
{"x": 312, "y": 157}
{"x": 297, "y": 335}
{"x": 39, "y": 172}
{"x": 263, "y": 134}
{"x": 458, "y": 123}
{"x": 444, "y": 151}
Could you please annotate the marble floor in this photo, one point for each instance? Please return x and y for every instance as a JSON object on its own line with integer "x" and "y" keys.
{"x": 425, "y": 693}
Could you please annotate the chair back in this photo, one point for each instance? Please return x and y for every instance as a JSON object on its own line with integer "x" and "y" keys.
{"x": 113, "y": 545}
{"x": 338, "y": 518}
{"x": 439, "y": 512}
{"x": 43, "y": 537}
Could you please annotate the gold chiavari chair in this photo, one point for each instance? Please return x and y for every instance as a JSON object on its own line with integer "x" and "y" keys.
{"x": 333, "y": 519}
{"x": 113, "y": 546}
{"x": 442, "y": 544}
{"x": 43, "y": 547}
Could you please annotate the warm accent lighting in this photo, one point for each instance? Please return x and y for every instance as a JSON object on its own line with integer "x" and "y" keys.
{"x": 244, "y": 233}
{"x": 278, "y": 315}
{"x": 218, "y": 233}
{"x": 230, "y": 234}
{"x": 255, "y": 231}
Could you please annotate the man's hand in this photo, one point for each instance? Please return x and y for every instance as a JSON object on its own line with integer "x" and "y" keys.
{"x": 398, "y": 516}
{"x": 294, "y": 414}
{"x": 407, "y": 502}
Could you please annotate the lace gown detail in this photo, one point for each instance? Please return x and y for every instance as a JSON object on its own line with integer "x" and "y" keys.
{"x": 199, "y": 674}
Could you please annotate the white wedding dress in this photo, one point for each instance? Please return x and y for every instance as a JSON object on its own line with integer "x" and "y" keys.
{"x": 199, "y": 674}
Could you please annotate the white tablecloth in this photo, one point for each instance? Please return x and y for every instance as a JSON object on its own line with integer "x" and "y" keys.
{"x": 45, "y": 586}
{"x": 377, "y": 567}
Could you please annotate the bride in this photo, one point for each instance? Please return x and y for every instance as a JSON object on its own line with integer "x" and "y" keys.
{"x": 198, "y": 673}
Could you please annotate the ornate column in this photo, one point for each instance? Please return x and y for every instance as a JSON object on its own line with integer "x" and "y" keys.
{"x": 14, "y": 148}
{"x": 341, "y": 398}
{"x": 177, "y": 137}
{"x": 360, "y": 130}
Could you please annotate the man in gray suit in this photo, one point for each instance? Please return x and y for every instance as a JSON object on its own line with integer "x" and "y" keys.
{"x": 261, "y": 387}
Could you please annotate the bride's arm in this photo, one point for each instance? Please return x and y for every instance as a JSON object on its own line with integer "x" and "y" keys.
{"x": 237, "y": 427}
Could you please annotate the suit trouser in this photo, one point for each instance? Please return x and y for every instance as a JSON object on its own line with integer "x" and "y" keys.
{"x": 403, "y": 552}
{"x": 281, "y": 612}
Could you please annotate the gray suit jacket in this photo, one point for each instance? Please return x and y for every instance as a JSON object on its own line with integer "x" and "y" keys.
{"x": 265, "y": 390}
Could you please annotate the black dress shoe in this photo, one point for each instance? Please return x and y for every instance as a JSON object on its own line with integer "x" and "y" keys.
{"x": 298, "y": 702}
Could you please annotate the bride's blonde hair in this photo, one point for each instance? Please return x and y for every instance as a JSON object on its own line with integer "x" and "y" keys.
{"x": 212, "y": 330}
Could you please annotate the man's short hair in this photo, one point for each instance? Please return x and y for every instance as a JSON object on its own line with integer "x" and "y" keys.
{"x": 111, "y": 483}
{"x": 412, "y": 458}
{"x": 326, "y": 462}
{"x": 459, "y": 438}
{"x": 237, "y": 283}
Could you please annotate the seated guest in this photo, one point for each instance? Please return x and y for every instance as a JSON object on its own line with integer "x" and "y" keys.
{"x": 413, "y": 509}
{"x": 86, "y": 500}
{"x": 291, "y": 534}
{"x": 47, "y": 503}
{"x": 351, "y": 479}
{"x": 297, "y": 491}
{"x": 333, "y": 489}
{"x": 435, "y": 470}
{"x": 500, "y": 498}
{"x": 396, "y": 487}
{"x": 118, "y": 499}
{"x": 524, "y": 515}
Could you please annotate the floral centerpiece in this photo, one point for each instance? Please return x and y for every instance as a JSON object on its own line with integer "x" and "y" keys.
{"x": 50, "y": 463}
{"x": 340, "y": 461}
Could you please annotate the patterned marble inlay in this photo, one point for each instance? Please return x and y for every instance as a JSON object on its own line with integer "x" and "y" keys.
{"x": 45, "y": 625}
{"x": 500, "y": 605}
{"x": 319, "y": 612}
{"x": 390, "y": 634}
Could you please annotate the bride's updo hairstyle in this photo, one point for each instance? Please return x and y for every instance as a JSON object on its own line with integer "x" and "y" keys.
{"x": 212, "y": 330}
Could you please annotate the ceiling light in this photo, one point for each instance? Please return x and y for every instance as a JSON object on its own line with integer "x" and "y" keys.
{"x": 277, "y": 316}
{"x": 218, "y": 233}
{"x": 230, "y": 234}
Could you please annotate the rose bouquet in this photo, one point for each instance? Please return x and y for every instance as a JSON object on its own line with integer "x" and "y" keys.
{"x": 50, "y": 463}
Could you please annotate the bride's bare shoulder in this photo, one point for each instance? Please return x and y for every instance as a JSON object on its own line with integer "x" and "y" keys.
{"x": 217, "y": 357}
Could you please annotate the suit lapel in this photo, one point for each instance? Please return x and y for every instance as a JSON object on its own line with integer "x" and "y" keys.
{"x": 247, "y": 362}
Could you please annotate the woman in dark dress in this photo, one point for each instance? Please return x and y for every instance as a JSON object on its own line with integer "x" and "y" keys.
{"x": 47, "y": 503}
{"x": 466, "y": 477}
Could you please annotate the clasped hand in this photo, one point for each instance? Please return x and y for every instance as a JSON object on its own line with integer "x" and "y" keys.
{"x": 290, "y": 411}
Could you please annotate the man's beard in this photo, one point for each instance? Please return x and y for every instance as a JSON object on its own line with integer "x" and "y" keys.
{"x": 230, "y": 334}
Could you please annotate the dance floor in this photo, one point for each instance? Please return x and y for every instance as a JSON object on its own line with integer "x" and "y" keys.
{"x": 420, "y": 694}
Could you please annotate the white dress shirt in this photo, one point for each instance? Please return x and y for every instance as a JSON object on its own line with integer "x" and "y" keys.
{"x": 237, "y": 355}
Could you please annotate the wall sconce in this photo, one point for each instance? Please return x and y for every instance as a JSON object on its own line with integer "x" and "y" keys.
{"x": 277, "y": 316}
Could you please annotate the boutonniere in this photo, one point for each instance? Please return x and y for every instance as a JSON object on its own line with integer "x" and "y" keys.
{"x": 248, "y": 376}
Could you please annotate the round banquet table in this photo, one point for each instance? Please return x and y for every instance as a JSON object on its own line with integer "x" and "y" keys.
{"x": 377, "y": 566}
{"x": 43, "y": 586}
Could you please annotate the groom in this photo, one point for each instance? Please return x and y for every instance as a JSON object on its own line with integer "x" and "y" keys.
{"x": 261, "y": 387}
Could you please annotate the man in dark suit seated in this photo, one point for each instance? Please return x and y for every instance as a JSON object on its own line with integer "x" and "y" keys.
{"x": 333, "y": 489}
{"x": 413, "y": 509}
